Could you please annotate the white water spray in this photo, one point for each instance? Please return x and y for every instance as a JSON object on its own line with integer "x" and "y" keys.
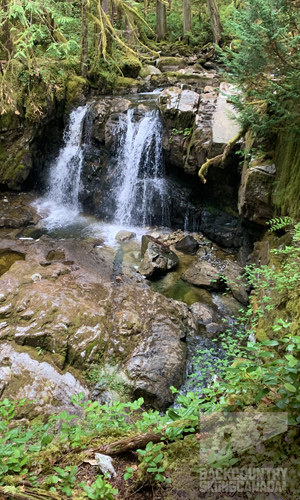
{"x": 141, "y": 192}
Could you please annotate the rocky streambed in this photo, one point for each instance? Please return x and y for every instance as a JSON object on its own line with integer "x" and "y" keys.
{"x": 76, "y": 315}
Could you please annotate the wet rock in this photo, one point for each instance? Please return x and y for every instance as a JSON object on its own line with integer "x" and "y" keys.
{"x": 101, "y": 112}
{"x": 25, "y": 377}
{"x": 157, "y": 258}
{"x": 205, "y": 275}
{"x": 187, "y": 245}
{"x": 255, "y": 195}
{"x": 79, "y": 318}
{"x": 217, "y": 273}
{"x": 16, "y": 212}
{"x": 8, "y": 258}
{"x": 179, "y": 105}
{"x": 222, "y": 228}
{"x": 123, "y": 236}
{"x": 56, "y": 254}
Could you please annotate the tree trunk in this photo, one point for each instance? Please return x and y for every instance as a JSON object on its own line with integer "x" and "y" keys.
{"x": 187, "y": 17}
{"x": 161, "y": 20}
{"x": 84, "y": 38}
{"x": 106, "y": 7}
{"x": 8, "y": 43}
{"x": 215, "y": 21}
{"x": 129, "y": 35}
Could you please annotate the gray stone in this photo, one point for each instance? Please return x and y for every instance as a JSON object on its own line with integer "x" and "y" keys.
{"x": 237, "y": 284}
{"x": 157, "y": 258}
{"x": 123, "y": 236}
{"x": 165, "y": 64}
{"x": 180, "y": 105}
{"x": 187, "y": 245}
{"x": 205, "y": 275}
{"x": 255, "y": 194}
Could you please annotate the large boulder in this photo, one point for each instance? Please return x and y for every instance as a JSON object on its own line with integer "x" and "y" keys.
{"x": 101, "y": 111}
{"x": 256, "y": 190}
{"x": 157, "y": 258}
{"x": 216, "y": 271}
{"x": 222, "y": 228}
{"x": 165, "y": 64}
{"x": 67, "y": 314}
{"x": 179, "y": 105}
{"x": 205, "y": 275}
{"x": 15, "y": 210}
{"x": 187, "y": 245}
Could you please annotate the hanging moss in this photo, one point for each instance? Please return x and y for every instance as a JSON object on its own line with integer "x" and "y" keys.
{"x": 286, "y": 197}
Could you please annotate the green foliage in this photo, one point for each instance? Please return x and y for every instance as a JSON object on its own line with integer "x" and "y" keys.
{"x": 100, "y": 489}
{"x": 153, "y": 457}
{"x": 265, "y": 64}
{"x": 64, "y": 480}
{"x": 187, "y": 132}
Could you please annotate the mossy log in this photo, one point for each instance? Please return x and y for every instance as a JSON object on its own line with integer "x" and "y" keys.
{"x": 128, "y": 444}
{"x": 8, "y": 492}
{"x": 135, "y": 442}
{"x": 219, "y": 159}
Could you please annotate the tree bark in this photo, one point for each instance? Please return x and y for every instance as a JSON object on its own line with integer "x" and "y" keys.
{"x": 129, "y": 35}
{"x": 84, "y": 38}
{"x": 106, "y": 7}
{"x": 8, "y": 43}
{"x": 187, "y": 17}
{"x": 215, "y": 21}
{"x": 161, "y": 20}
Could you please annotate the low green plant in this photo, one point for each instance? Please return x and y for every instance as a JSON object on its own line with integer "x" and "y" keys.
{"x": 100, "y": 489}
{"x": 153, "y": 457}
{"x": 64, "y": 480}
{"x": 187, "y": 132}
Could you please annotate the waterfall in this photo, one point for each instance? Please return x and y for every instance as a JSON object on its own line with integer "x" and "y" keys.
{"x": 141, "y": 193}
{"x": 64, "y": 177}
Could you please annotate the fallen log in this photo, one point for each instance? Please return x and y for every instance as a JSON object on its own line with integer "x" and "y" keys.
{"x": 128, "y": 444}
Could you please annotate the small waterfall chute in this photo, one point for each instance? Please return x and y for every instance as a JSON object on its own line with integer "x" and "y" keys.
{"x": 64, "y": 178}
{"x": 141, "y": 192}
{"x": 61, "y": 204}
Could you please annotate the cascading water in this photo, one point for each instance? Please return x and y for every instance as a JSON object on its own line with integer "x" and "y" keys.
{"x": 141, "y": 192}
{"x": 61, "y": 204}
{"x": 64, "y": 176}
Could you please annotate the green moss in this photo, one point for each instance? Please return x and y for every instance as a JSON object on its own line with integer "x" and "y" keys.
{"x": 75, "y": 87}
{"x": 145, "y": 71}
{"x": 286, "y": 196}
{"x": 123, "y": 81}
{"x": 130, "y": 66}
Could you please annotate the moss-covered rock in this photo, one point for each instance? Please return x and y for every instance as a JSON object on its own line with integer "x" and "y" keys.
{"x": 170, "y": 64}
{"x": 130, "y": 67}
{"x": 76, "y": 88}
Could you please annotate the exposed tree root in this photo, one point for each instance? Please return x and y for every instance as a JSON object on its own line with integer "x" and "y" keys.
{"x": 218, "y": 160}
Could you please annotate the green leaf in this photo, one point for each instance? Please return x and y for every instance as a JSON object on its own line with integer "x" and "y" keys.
{"x": 261, "y": 394}
{"x": 290, "y": 387}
